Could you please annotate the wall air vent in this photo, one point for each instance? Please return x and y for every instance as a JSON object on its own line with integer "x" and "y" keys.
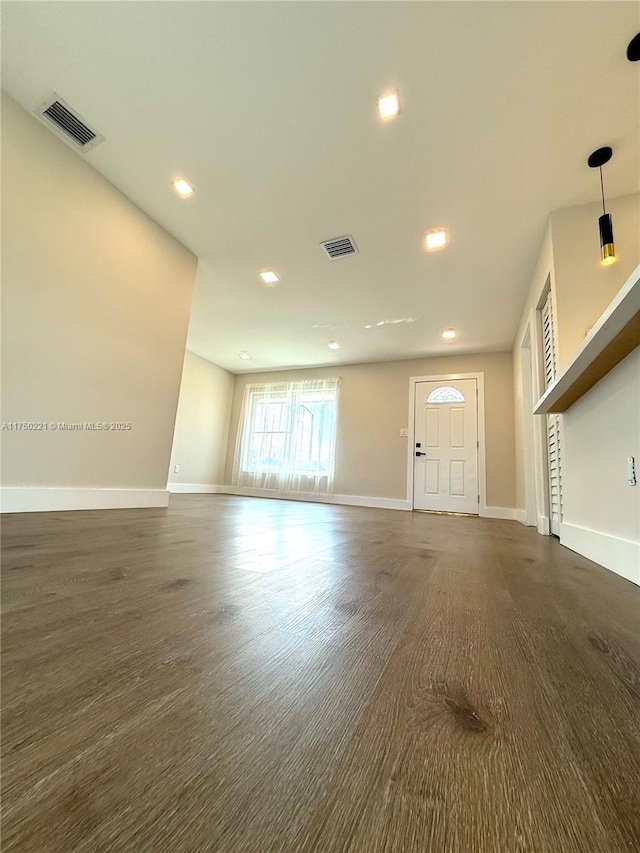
{"x": 68, "y": 125}
{"x": 339, "y": 247}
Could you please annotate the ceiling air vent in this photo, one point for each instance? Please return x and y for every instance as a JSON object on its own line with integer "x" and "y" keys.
{"x": 339, "y": 247}
{"x": 67, "y": 124}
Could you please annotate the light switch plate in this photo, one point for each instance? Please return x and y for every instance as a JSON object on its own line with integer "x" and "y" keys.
{"x": 404, "y": 433}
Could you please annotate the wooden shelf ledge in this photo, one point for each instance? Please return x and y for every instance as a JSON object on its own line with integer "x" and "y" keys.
{"x": 613, "y": 337}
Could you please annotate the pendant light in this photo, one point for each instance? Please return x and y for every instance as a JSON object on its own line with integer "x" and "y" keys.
{"x": 607, "y": 247}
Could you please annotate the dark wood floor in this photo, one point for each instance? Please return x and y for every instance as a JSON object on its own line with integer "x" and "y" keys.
{"x": 248, "y": 676}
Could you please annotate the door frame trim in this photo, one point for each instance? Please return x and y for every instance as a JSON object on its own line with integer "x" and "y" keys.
{"x": 482, "y": 471}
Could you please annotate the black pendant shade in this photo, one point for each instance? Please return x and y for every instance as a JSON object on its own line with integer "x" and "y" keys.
{"x": 607, "y": 247}
{"x": 633, "y": 51}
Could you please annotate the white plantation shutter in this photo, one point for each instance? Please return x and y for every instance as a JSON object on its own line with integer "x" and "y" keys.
{"x": 555, "y": 473}
{"x": 548, "y": 342}
{"x": 554, "y": 432}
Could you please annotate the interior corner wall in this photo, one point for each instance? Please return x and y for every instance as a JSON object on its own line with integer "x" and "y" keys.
{"x": 202, "y": 426}
{"x": 543, "y": 274}
{"x": 96, "y": 300}
{"x": 371, "y": 457}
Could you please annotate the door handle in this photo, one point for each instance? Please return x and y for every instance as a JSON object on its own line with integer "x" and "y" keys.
{"x": 420, "y": 454}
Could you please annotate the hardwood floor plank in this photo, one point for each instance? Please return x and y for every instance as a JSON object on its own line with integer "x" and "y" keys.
{"x": 243, "y": 675}
{"x": 454, "y": 754}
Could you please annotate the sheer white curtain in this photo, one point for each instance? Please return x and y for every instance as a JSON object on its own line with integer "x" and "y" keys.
{"x": 287, "y": 435}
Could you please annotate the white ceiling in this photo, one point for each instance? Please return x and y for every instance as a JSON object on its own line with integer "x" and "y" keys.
{"x": 269, "y": 109}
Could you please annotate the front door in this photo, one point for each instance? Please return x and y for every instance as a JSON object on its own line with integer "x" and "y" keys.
{"x": 445, "y": 462}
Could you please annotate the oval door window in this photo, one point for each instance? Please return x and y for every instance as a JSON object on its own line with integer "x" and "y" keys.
{"x": 445, "y": 394}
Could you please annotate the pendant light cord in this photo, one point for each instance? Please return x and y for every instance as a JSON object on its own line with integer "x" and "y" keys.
{"x": 602, "y": 191}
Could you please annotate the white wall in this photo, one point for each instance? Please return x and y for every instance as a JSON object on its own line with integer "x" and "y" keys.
{"x": 601, "y": 516}
{"x": 600, "y": 510}
{"x": 96, "y": 300}
{"x": 202, "y": 426}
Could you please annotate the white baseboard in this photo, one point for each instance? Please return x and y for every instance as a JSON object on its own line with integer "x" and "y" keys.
{"x": 505, "y": 512}
{"x": 522, "y": 518}
{"x": 345, "y": 500}
{"x": 44, "y": 499}
{"x": 379, "y": 503}
{"x": 621, "y": 556}
{"x": 195, "y": 489}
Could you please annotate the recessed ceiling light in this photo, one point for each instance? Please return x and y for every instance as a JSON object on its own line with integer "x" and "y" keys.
{"x": 333, "y": 345}
{"x": 436, "y": 239}
{"x": 269, "y": 277}
{"x": 388, "y": 105}
{"x": 245, "y": 356}
{"x": 182, "y": 187}
{"x": 448, "y": 334}
{"x": 367, "y": 327}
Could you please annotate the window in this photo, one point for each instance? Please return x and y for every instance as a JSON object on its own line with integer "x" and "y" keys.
{"x": 287, "y": 435}
{"x": 445, "y": 394}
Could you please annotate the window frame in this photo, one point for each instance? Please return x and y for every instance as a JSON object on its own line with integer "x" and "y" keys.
{"x": 295, "y": 399}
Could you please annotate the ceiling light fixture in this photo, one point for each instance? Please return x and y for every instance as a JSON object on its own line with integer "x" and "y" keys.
{"x": 244, "y": 356}
{"x": 436, "y": 239}
{"x": 183, "y": 188}
{"x": 607, "y": 247}
{"x": 269, "y": 277}
{"x": 633, "y": 50}
{"x": 448, "y": 334}
{"x": 388, "y": 105}
{"x": 333, "y": 345}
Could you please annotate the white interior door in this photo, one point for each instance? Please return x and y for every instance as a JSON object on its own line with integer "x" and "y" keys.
{"x": 445, "y": 462}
